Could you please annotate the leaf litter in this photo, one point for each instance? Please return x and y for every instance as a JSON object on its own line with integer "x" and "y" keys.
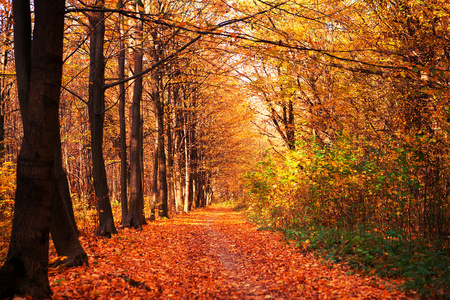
{"x": 211, "y": 253}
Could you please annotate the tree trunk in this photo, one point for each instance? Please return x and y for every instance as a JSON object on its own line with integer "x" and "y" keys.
{"x": 289, "y": 124}
{"x": 136, "y": 216}
{"x": 96, "y": 119}
{"x": 194, "y": 164}
{"x": 159, "y": 115}
{"x": 39, "y": 69}
{"x": 170, "y": 174}
{"x": 187, "y": 167}
{"x": 155, "y": 193}
{"x": 177, "y": 152}
{"x": 63, "y": 227}
{"x": 162, "y": 158}
{"x": 123, "y": 132}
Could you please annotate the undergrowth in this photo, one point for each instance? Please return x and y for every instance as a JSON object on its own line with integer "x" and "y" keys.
{"x": 424, "y": 266}
{"x": 382, "y": 208}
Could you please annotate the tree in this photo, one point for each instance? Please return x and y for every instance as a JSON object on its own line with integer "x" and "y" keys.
{"x": 39, "y": 71}
{"x": 63, "y": 227}
{"x": 96, "y": 117}
{"x": 123, "y": 133}
{"x": 135, "y": 217}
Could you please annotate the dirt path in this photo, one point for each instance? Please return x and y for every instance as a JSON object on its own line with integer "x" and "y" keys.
{"x": 209, "y": 254}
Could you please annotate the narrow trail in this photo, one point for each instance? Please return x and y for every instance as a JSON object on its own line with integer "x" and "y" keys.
{"x": 211, "y": 253}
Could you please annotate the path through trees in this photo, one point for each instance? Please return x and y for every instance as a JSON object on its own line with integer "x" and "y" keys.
{"x": 211, "y": 253}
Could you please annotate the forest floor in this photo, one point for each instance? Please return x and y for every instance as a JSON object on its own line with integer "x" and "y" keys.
{"x": 211, "y": 253}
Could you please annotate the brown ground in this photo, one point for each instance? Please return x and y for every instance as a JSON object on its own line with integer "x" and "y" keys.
{"x": 211, "y": 253}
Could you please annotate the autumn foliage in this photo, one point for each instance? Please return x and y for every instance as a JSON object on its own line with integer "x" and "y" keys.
{"x": 212, "y": 253}
{"x": 366, "y": 179}
{"x": 327, "y": 121}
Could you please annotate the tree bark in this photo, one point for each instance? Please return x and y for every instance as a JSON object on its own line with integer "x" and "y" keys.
{"x": 136, "y": 216}
{"x": 177, "y": 150}
{"x": 96, "y": 118}
{"x": 63, "y": 228}
{"x": 187, "y": 166}
{"x": 193, "y": 160}
{"x": 172, "y": 207}
{"x": 289, "y": 124}
{"x": 162, "y": 158}
{"x": 159, "y": 115}
{"x": 39, "y": 69}
{"x": 155, "y": 192}
{"x": 123, "y": 132}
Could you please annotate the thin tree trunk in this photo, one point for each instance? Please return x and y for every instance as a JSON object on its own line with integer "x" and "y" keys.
{"x": 177, "y": 152}
{"x": 123, "y": 132}
{"x": 194, "y": 165}
{"x": 170, "y": 172}
{"x": 289, "y": 124}
{"x": 187, "y": 179}
{"x": 162, "y": 159}
{"x": 159, "y": 112}
{"x": 155, "y": 193}
{"x": 96, "y": 119}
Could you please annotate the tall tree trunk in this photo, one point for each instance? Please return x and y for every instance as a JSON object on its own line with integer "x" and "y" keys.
{"x": 123, "y": 132}
{"x": 187, "y": 167}
{"x": 177, "y": 151}
{"x": 155, "y": 192}
{"x": 136, "y": 216}
{"x": 39, "y": 69}
{"x": 170, "y": 170}
{"x": 96, "y": 119}
{"x": 194, "y": 163}
{"x": 162, "y": 158}
{"x": 159, "y": 112}
{"x": 63, "y": 227}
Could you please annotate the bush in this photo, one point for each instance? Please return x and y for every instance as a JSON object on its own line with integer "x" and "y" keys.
{"x": 378, "y": 206}
{"x": 7, "y": 188}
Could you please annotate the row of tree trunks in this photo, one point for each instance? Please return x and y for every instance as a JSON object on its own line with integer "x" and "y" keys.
{"x": 40, "y": 170}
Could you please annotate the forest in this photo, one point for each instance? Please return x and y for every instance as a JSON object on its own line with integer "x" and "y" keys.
{"x": 326, "y": 121}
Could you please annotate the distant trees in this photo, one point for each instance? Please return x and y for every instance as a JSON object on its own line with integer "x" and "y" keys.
{"x": 6, "y": 82}
{"x": 190, "y": 126}
{"x": 159, "y": 74}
